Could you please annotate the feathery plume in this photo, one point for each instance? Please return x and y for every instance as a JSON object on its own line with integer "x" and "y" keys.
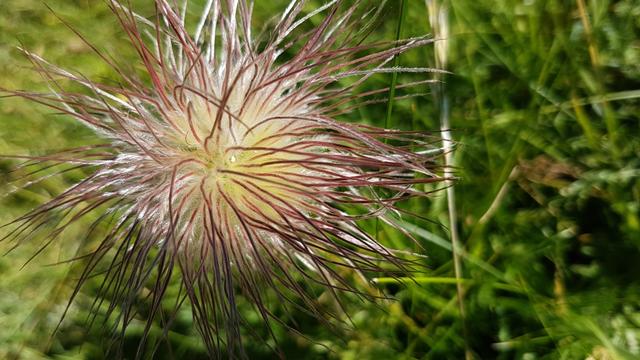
{"x": 223, "y": 164}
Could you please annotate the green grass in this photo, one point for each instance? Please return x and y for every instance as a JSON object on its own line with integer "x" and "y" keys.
{"x": 546, "y": 113}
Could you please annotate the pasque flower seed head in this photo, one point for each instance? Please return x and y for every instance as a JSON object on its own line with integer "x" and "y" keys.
{"x": 223, "y": 163}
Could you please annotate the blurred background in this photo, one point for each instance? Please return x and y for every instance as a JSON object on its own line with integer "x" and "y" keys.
{"x": 543, "y": 100}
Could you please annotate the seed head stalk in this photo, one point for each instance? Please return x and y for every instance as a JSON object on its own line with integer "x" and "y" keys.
{"x": 439, "y": 19}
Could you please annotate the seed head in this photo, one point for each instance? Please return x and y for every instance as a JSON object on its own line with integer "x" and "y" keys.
{"x": 223, "y": 163}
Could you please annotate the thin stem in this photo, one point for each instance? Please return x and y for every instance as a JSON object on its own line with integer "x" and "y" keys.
{"x": 438, "y": 17}
{"x": 394, "y": 82}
